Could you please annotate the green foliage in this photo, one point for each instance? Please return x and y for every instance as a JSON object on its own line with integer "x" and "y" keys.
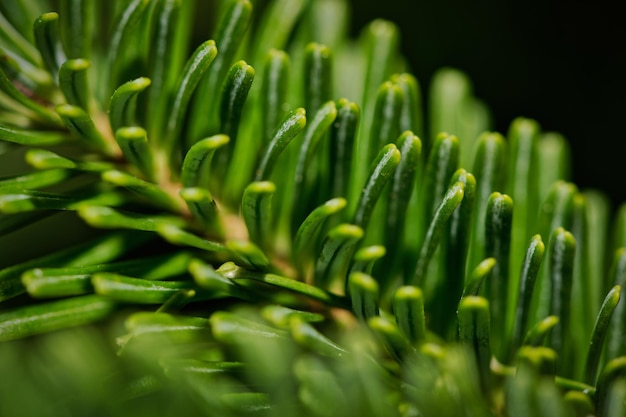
{"x": 258, "y": 224}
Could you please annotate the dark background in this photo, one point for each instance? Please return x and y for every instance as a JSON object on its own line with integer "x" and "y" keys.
{"x": 559, "y": 62}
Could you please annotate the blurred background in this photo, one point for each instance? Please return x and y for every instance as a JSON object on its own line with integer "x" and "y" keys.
{"x": 559, "y": 62}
